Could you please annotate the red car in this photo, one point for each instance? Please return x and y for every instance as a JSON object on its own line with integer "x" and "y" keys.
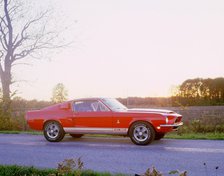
{"x": 103, "y": 116}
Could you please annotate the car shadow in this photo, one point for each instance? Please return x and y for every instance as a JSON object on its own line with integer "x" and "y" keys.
{"x": 103, "y": 141}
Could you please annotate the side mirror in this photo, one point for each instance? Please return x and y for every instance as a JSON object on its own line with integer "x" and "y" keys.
{"x": 65, "y": 106}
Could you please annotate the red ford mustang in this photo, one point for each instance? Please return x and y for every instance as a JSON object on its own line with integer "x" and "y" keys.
{"x": 103, "y": 116}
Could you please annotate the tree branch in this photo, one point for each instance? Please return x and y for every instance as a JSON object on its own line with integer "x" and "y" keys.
{"x": 9, "y": 24}
{"x": 1, "y": 54}
{"x": 21, "y": 38}
{"x": 3, "y": 20}
{"x": 21, "y": 64}
{"x": 26, "y": 26}
{"x": 4, "y": 35}
{"x": 3, "y": 45}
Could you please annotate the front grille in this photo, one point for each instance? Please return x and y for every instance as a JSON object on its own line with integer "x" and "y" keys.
{"x": 178, "y": 119}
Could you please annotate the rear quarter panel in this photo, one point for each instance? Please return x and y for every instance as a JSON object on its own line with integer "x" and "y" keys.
{"x": 36, "y": 119}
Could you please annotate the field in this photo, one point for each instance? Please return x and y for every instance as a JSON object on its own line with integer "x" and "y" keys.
{"x": 200, "y": 120}
{"x": 193, "y": 112}
{"x": 196, "y": 112}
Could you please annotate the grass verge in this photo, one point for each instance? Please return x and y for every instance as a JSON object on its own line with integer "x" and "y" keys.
{"x": 22, "y": 132}
{"x": 204, "y": 136}
{"x": 14, "y": 170}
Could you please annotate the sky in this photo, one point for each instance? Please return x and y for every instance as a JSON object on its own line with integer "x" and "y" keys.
{"x": 124, "y": 48}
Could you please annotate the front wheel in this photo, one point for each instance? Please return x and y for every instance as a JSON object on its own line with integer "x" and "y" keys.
{"x": 53, "y": 131}
{"x": 142, "y": 133}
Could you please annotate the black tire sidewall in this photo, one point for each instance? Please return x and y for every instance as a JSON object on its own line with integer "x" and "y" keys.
{"x": 150, "y": 130}
{"x": 60, "y": 135}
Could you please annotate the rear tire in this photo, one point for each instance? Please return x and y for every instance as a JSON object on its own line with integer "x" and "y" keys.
{"x": 53, "y": 131}
{"x": 76, "y": 135}
{"x": 142, "y": 133}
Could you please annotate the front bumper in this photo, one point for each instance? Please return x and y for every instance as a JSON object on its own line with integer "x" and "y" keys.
{"x": 171, "y": 127}
{"x": 175, "y": 125}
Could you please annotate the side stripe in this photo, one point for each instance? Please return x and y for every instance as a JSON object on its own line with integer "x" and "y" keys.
{"x": 96, "y": 130}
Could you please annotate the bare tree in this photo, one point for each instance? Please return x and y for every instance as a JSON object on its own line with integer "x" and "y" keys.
{"x": 21, "y": 37}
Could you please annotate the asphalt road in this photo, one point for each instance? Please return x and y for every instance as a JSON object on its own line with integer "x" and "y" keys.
{"x": 115, "y": 154}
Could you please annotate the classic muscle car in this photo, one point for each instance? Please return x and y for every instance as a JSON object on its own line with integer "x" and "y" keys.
{"x": 102, "y": 116}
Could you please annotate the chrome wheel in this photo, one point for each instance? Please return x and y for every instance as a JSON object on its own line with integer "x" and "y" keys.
{"x": 141, "y": 133}
{"x": 52, "y": 130}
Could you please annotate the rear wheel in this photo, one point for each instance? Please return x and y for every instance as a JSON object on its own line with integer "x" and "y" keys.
{"x": 76, "y": 135}
{"x": 159, "y": 136}
{"x": 53, "y": 131}
{"x": 142, "y": 133}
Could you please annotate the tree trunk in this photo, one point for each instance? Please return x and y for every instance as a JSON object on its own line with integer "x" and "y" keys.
{"x": 5, "y": 71}
{"x": 6, "y": 87}
{"x": 6, "y": 82}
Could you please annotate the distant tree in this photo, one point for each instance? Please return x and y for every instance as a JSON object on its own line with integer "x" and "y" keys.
{"x": 145, "y": 102}
{"x": 59, "y": 94}
{"x": 200, "y": 91}
{"x": 22, "y": 105}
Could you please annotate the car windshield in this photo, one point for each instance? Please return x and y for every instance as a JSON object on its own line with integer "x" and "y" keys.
{"x": 114, "y": 105}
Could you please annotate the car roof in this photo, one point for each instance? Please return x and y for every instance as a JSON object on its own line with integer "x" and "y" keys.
{"x": 92, "y": 98}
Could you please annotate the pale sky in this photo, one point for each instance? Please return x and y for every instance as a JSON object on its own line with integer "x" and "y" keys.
{"x": 129, "y": 48}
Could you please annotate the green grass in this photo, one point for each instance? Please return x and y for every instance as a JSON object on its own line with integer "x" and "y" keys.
{"x": 10, "y": 132}
{"x": 205, "y": 136}
{"x": 14, "y": 170}
{"x": 22, "y": 132}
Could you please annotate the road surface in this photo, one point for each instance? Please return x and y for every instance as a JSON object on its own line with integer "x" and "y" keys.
{"x": 115, "y": 154}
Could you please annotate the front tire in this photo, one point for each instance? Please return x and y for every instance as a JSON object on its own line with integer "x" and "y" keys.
{"x": 142, "y": 133}
{"x": 53, "y": 131}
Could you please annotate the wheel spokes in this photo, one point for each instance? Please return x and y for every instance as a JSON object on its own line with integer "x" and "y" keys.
{"x": 141, "y": 133}
{"x": 52, "y": 130}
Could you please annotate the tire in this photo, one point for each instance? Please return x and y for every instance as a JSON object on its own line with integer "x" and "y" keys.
{"x": 76, "y": 135}
{"x": 159, "y": 136}
{"x": 141, "y": 133}
{"x": 53, "y": 131}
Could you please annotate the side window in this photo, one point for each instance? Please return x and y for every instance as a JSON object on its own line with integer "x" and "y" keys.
{"x": 82, "y": 106}
{"x": 103, "y": 107}
{"x": 99, "y": 107}
{"x": 89, "y": 106}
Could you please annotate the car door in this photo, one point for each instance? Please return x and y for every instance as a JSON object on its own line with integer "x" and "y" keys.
{"x": 91, "y": 116}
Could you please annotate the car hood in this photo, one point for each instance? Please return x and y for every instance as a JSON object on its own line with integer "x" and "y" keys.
{"x": 141, "y": 110}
